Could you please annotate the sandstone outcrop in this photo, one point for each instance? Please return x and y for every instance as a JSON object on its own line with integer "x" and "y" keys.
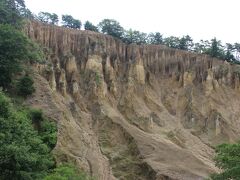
{"x": 134, "y": 112}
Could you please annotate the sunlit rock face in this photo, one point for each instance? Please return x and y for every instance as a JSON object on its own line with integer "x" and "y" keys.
{"x": 134, "y": 112}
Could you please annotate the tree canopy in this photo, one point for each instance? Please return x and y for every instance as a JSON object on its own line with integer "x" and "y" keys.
{"x": 111, "y": 27}
{"x": 23, "y": 154}
{"x": 155, "y": 38}
{"x": 137, "y": 37}
{"x": 50, "y": 18}
{"x": 10, "y": 12}
{"x": 70, "y": 22}
{"x": 15, "y": 48}
{"x": 89, "y": 26}
{"x": 186, "y": 43}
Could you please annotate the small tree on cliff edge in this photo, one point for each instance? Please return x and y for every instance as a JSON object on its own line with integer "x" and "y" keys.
{"x": 70, "y": 22}
{"x": 49, "y": 18}
{"x": 111, "y": 27}
{"x": 133, "y": 36}
{"x": 89, "y": 26}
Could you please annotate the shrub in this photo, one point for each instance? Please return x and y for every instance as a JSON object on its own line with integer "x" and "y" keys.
{"x": 46, "y": 128}
{"x": 48, "y": 133}
{"x": 36, "y": 115}
{"x": 25, "y": 86}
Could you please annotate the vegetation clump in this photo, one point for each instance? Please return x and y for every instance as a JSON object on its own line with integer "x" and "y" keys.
{"x": 228, "y": 160}
{"x": 23, "y": 153}
{"x": 70, "y": 22}
{"x": 15, "y": 49}
{"x": 25, "y": 86}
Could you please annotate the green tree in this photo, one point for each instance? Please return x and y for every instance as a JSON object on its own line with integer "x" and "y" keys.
{"x": 202, "y": 46}
{"x": 172, "y": 42}
{"x": 111, "y": 27}
{"x": 228, "y": 160}
{"x": 237, "y": 49}
{"x": 25, "y": 86}
{"x": 216, "y": 49}
{"x": 89, "y": 26}
{"x": 155, "y": 38}
{"x": 229, "y": 52}
{"x": 186, "y": 43}
{"x": 137, "y": 37}
{"x": 129, "y": 36}
{"x": 70, "y": 22}
{"x": 23, "y": 155}
{"x": 13, "y": 51}
{"x": 11, "y": 12}
{"x": 49, "y": 18}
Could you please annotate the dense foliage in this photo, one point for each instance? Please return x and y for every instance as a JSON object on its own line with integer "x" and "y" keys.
{"x": 26, "y": 141}
{"x": 132, "y": 36}
{"x": 89, "y": 26}
{"x": 50, "y": 18}
{"x": 24, "y": 152}
{"x": 15, "y": 49}
{"x": 70, "y": 22}
{"x": 46, "y": 129}
{"x": 228, "y": 159}
{"x": 10, "y": 12}
{"x": 111, "y": 27}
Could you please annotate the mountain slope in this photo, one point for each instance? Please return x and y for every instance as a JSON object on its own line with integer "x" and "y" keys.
{"x": 134, "y": 112}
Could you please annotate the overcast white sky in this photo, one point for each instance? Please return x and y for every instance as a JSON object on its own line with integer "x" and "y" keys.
{"x": 201, "y": 19}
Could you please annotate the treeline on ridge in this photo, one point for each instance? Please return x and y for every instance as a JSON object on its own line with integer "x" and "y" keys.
{"x": 213, "y": 47}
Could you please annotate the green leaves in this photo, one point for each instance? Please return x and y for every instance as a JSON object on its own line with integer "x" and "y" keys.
{"x": 228, "y": 159}
{"x": 11, "y": 12}
{"x": 155, "y": 38}
{"x": 15, "y": 49}
{"x": 89, "y": 26}
{"x": 137, "y": 37}
{"x": 111, "y": 27}
{"x": 70, "y": 22}
{"x": 24, "y": 152}
{"x": 50, "y": 18}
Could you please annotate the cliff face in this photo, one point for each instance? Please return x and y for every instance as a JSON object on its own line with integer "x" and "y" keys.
{"x": 134, "y": 112}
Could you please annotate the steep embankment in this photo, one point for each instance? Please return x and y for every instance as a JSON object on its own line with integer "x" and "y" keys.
{"x": 134, "y": 112}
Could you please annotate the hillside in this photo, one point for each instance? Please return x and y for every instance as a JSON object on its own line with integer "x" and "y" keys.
{"x": 134, "y": 112}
